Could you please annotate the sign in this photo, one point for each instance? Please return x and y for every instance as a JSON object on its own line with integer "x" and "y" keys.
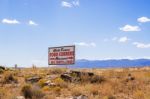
{"x": 63, "y": 55}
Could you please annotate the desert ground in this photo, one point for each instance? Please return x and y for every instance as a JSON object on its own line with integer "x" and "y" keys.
{"x": 63, "y": 83}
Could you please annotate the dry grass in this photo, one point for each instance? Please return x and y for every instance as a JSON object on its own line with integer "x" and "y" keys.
{"x": 9, "y": 77}
{"x": 106, "y": 84}
{"x": 56, "y": 71}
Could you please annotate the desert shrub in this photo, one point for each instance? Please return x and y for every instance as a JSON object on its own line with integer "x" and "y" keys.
{"x": 147, "y": 74}
{"x": 95, "y": 97}
{"x": 147, "y": 96}
{"x": 111, "y": 97}
{"x": 85, "y": 78}
{"x": 55, "y": 90}
{"x": 2, "y": 93}
{"x": 16, "y": 72}
{"x": 27, "y": 91}
{"x": 107, "y": 88}
{"x": 28, "y": 76}
{"x": 91, "y": 89}
{"x": 73, "y": 75}
{"x": 37, "y": 93}
{"x": 93, "y": 79}
{"x": 105, "y": 97}
{"x": 77, "y": 91}
{"x": 49, "y": 96}
{"x": 1, "y": 71}
{"x": 60, "y": 82}
{"x": 139, "y": 94}
{"x": 57, "y": 71}
{"x": 41, "y": 82}
{"x": 97, "y": 79}
{"x": 9, "y": 78}
{"x": 31, "y": 92}
{"x": 94, "y": 91}
{"x": 46, "y": 88}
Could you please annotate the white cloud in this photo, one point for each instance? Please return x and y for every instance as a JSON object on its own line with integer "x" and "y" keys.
{"x": 123, "y": 39}
{"x": 130, "y": 28}
{"x": 141, "y": 45}
{"x": 66, "y": 4}
{"x": 92, "y": 44}
{"x": 76, "y": 3}
{"x": 143, "y": 19}
{"x": 9, "y": 21}
{"x": 32, "y": 23}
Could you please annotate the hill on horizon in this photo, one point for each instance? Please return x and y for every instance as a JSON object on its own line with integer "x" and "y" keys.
{"x": 111, "y": 63}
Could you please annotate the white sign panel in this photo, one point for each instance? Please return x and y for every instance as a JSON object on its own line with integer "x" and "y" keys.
{"x": 63, "y": 55}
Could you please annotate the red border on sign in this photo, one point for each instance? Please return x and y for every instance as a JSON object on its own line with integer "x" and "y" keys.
{"x": 60, "y": 47}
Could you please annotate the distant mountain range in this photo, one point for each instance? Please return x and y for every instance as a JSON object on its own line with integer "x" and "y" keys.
{"x": 112, "y": 63}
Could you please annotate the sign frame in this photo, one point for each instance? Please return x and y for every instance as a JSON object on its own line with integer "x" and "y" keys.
{"x": 60, "y": 47}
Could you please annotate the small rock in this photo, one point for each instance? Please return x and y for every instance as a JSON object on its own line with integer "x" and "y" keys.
{"x": 79, "y": 73}
{"x": 66, "y": 77}
{"x": 33, "y": 79}
{"x": 51, "y": 77}
{"x": 90, "y": 74}
{"x": 52, "y": 84}
{"x": 49, "y": 83}
{"x": 131, "y": 78}
{"x": 80, "y": 97}
{"x": 20, "y": 97}
{"x": 16, "y": 85}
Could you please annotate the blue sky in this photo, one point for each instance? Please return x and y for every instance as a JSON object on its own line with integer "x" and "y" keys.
{"x": 100, "y": 29}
